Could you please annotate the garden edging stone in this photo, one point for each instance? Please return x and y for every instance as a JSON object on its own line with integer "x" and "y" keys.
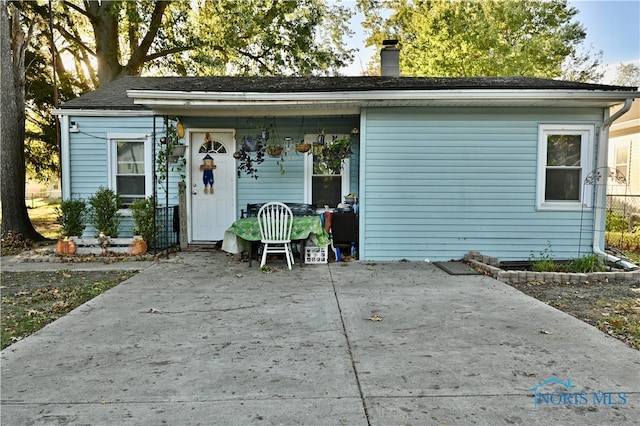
{"x": 489, "y": 266}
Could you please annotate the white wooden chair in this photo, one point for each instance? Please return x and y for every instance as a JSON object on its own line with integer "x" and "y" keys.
{"x": 275, "y": 220}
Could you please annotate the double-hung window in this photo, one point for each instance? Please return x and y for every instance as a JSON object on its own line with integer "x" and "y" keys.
{"x": 564, "y": 160}
{"x": 130, "y": 168}
{"x": 325, "y": 185}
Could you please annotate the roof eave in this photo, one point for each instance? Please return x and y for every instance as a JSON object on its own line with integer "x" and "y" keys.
{"x": 103, "y": 111}
{"x": 456, "y": 97}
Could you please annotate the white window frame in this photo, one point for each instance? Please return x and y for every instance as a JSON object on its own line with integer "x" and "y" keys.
{"x": 112, "y": 161}
{"x": 587, "y": 132}
{"x": 622, "y": 146}
{"x": 308, "y": 172}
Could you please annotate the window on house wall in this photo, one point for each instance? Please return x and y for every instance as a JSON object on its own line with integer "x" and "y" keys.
{"x": 325, "y": 185}
{"x": 622, "y": 160}
{"x": 130, "y": 167}
{"x": 563, "y": 163}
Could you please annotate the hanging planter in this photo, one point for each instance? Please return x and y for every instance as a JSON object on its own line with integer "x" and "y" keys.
{"x": 332, "y": 154}
{"x": 173, "y": 159}
{"x": 274, "y": 150}
{"x": 179, "y": 150}
{"x": 250, "y": 144}
{"x": 303, "y": 147}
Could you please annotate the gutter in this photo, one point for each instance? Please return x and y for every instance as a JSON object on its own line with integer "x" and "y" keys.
{"x": 214, "y": 98}
{"x": 65, "y": 162}
{"x": 598, "y": 234}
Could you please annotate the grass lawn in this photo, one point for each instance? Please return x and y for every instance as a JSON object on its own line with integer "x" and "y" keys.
{"x": 31, "y": 300}
{"x": 627, "y": 242}
{"x": 42, "y": 212}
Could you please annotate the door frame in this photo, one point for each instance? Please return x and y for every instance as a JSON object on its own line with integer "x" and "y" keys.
{"x": 188, "y": 154}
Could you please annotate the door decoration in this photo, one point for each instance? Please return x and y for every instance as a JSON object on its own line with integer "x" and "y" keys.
{"x": 207, "y": 167}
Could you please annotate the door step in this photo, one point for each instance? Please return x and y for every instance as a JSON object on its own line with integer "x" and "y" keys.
{"x": 204, "y": 247}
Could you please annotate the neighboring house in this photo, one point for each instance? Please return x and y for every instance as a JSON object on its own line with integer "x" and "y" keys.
{"x": 624, "y": 156}
{"x": 441, "y": 166}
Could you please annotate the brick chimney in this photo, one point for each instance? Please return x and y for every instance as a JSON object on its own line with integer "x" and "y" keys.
{"x": 390, "y": 59}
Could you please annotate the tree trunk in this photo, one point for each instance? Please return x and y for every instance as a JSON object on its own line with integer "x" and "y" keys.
{"x": 12, "y": 97}
{"x": 105, "y": 29}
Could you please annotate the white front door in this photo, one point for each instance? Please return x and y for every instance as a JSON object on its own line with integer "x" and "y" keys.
{"x": 213, "y": 175}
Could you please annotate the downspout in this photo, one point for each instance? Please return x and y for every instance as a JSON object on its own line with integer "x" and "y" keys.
{"x": 65, "y": 160}
{"x": 598, "y": 234}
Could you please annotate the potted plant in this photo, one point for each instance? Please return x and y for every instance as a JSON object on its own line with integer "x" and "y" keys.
{"x": 303, "y": 147}
{"x": 70, "y": 216}
{"x": 250, "y": 144}
{"x": 274, "y": 150}
{"x": 247, "y": 163}
{"x": 332, "y": 153}
{"x": 172, "y": 151}
{"x": 104, "y": 214}
{"x": 143, "y": 212}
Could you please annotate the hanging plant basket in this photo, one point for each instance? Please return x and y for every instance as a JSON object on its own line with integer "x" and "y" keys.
{"x": 179, "y": 150}
{"x": 274, "y": 151}
{"x": 250, "y": 144}
{"x": 303, "y": 147}
{"x": 332, "y": 153}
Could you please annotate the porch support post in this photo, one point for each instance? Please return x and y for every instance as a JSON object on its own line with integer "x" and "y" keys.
{"x": 182, "y": 201}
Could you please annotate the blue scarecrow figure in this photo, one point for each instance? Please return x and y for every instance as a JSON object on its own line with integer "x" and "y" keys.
{"x": 207, "y": 167}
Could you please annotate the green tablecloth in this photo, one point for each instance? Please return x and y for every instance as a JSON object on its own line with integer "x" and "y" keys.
{"x": 241, "y": 232}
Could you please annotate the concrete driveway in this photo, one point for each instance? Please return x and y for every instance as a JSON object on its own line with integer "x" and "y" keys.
{"x": 204, "y": 339}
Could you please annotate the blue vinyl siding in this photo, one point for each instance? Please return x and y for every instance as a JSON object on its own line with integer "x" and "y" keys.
{"x": 438, "y": 183}
{"x": 88, "y": 158}
{"x": 271, "y": 184}
{"x": 432, "y": 182}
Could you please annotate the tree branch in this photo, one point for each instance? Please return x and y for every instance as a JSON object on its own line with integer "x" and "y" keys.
{"x": 72, "y": 38}
{"x": 138, "y": 56}
{"x": 79, "y": 9}
{"x": 166, "y": 53}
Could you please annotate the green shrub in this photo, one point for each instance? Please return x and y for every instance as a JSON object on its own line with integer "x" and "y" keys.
{"x": 545, "y": 261}
{"x": 143, "y": 212}
{"x": 104, "y": 214}
{"x": 71, "y": 216}
{"x": 616, "y": 222}
{"x": 587, "y": 263}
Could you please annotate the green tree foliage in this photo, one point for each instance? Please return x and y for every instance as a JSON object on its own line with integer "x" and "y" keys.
{"x": 216, "y": 37}
{"x": 97, "y": 42}
{"x": 479, "y": 38}
{"x": 258, "y": 37}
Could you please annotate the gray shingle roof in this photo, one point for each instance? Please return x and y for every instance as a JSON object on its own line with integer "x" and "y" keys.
{"x": 114, "y": 95}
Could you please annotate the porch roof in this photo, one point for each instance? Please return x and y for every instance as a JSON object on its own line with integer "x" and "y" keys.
{"x": 305, "y": 95}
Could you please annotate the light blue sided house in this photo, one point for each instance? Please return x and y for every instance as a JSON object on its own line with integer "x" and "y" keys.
{"x": 441, "y": 166}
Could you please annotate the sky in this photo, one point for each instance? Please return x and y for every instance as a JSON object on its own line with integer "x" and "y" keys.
{"x": 612, "y": 26}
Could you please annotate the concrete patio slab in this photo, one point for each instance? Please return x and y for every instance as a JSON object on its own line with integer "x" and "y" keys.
{"x": 201, "y": 338}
